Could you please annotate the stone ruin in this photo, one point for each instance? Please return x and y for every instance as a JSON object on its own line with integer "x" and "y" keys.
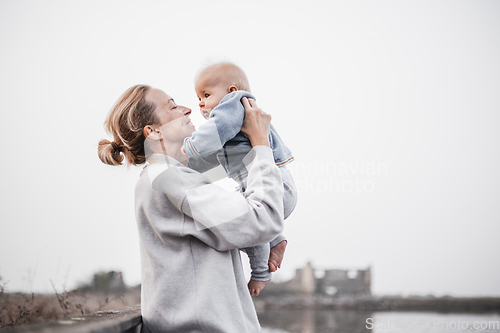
{"x": 333, "y": 282}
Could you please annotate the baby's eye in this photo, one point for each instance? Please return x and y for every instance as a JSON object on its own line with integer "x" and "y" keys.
{"x": 207, "y": 95}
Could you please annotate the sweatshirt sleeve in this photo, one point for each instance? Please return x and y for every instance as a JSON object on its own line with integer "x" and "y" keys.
{"x": 228, "y": 220}
{"x": 224, "y": 123}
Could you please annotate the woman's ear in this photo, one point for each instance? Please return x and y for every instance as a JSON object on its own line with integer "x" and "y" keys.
{"x": 152, "y": 133}
{"x": 232, "y": 88}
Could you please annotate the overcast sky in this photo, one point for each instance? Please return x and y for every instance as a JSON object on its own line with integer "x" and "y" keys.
{"x": 391, "y": 109}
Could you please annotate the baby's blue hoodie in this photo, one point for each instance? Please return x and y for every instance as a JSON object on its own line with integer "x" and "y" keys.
{"x": 220, "y": 139}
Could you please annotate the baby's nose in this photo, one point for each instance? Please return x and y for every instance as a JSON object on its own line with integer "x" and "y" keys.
{"x": 201, "y": 104}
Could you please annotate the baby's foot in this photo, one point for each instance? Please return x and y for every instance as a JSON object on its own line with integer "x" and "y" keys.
{"x": 276, "y": 256}
{"x": 255, "y": 287}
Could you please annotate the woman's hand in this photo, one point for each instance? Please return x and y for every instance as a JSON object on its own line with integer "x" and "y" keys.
{"x": 256, "y": 124}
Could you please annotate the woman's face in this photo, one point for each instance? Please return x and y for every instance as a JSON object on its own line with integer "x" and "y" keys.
{"x": 175, "y": 124}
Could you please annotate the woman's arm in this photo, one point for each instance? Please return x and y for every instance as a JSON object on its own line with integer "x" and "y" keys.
{"x": 228, "y": 220}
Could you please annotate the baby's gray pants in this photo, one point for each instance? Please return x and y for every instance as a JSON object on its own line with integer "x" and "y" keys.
{"x": 259, "y": 255}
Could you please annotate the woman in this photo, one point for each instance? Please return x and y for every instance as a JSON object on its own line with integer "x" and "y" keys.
{"x": 190, "y": 230}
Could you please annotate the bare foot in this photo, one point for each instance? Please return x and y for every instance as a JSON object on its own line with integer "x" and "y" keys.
{"x": 276, "y": 256}
{"x": 255, "y": 287}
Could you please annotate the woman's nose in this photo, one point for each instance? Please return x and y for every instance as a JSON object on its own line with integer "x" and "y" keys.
{"x": 186, "y": 110}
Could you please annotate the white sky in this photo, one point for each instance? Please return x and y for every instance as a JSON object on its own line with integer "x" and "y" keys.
{"x": 391, "y": 108}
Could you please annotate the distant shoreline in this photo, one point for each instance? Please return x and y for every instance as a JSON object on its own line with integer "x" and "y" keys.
{"x": 379, "y": 303}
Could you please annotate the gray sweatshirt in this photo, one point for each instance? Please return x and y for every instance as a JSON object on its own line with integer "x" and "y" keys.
{"x": 190, "y": 231}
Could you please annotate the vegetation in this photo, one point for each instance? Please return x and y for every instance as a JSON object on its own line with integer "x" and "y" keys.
{"x": 99, "y": 294}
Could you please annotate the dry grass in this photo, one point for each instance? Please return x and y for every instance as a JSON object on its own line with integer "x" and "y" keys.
{"x": 18, "y": 309}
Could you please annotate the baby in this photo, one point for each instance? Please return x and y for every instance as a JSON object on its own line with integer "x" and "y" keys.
{"x": 220, "y": 88}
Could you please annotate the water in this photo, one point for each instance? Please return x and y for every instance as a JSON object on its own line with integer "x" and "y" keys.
{"x": 322, "y": 321}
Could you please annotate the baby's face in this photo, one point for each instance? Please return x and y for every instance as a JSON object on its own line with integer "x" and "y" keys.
{"x": 209, "y": 92}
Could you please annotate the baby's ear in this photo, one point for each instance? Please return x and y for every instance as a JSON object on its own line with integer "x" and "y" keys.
{"x": 232, "y": 88}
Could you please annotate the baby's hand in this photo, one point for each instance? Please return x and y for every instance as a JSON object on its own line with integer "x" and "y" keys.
{"x": 183, "y": 151}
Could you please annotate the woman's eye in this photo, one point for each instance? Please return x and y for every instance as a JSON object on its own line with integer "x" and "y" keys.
{"x": 207, "y": 95}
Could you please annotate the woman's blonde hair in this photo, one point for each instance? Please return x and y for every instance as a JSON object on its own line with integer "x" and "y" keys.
{"x": 125, "y": 122}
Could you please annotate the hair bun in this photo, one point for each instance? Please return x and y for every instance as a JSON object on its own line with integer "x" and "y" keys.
{"x": 108, "y": 153}
{"x": 116, "y": 148}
